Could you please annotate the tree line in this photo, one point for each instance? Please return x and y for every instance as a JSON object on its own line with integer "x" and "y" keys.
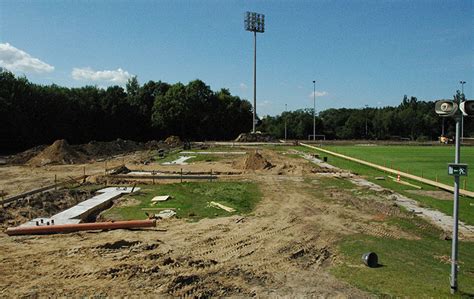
{"x": 32, "y": 114}
{"x": 411, "y": 120}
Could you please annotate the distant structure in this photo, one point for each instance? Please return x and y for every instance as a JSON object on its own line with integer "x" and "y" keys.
{"x": 254, "y": 22}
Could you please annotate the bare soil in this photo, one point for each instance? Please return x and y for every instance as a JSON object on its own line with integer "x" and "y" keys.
{"x": 284, "y": 248}
{"x": 40, "y": 205}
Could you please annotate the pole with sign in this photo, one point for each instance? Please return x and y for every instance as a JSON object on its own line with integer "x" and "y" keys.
{"x": 457, "y": 109}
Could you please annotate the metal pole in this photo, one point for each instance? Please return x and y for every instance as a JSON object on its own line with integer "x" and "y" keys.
{"x": 442, "y": 128}
{"x": 285, "y": 121}
{"x": 366, "y": 129}
{"x": 254, "y": 80}
{"x": 462, "y": 116}
{"x": 454, "y": 248}
{"x": 314, "y": 110}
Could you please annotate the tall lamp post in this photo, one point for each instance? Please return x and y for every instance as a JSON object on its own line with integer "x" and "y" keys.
{"x": 314, "y": 110}
{"x": 254, "y": 22}
{"x": 462, "y": 117}
{"x": 366, "y": 127}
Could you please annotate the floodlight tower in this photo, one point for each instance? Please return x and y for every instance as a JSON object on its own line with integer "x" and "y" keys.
{"x": 254, "y": 22}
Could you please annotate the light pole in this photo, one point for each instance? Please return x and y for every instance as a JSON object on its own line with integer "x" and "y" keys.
{"x": 366, "y": 128}
{"x": 285, "y": 121}
{"x": 254, "y": 22}
{"x": 462, "y": 117}
{"x": 314, "y": 110}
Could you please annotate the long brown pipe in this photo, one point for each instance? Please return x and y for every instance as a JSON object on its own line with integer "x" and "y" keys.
{"x": 68, "y": 228}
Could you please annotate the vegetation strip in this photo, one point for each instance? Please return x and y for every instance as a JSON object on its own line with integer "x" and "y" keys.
{"x": 396, "y": 172}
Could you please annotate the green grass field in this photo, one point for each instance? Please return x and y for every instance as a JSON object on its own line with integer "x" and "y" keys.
{"x": 466, "y": 204}
{"x": 426, "y": 161}
{"x": 191, "y": 200}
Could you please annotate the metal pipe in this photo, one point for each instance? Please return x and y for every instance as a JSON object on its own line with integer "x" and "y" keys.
{"x": 68, "y": 228}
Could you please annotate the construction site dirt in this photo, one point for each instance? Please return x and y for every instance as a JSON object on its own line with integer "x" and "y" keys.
{"x": 285, "y": 247}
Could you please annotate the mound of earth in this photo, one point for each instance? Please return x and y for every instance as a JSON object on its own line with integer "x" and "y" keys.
{"x": 255, "y": 161}
{"x": 254, "y": 137}
{"x": 173, "y": 141}
{"x": 100, "y": 149}
{"x": 60, "y": 152}
{"x": 23, "y": 157}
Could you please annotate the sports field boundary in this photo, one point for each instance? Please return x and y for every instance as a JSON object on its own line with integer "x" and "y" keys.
{"x": 393, "y": 171}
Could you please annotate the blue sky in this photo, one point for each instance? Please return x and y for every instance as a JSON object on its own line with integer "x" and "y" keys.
{"x": 359, "y": 52}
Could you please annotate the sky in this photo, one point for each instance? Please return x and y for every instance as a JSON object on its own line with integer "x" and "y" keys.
{"x": 359, "y": 52}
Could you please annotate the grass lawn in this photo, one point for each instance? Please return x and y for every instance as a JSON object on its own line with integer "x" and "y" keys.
{"x": 429, "y": 161}
{"x": 417, "y": 268}
{"x": 466, "y": 204}
{"x": 191, "y": 200}
{"x": 413, "y": 268}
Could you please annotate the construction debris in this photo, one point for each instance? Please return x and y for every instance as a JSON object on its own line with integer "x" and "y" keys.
{"x": 160, "y": 198}
{"x": 165, "y": 214}
{"x": 221, "y": 206}
{"x": 254, "y": 137}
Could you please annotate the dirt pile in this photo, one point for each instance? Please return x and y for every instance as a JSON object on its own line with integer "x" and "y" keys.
{"x": 60, "y": 152}
{"x": 255, "y": 161}
{"x": 254, "y": 137}
{"x": 173, "y": 141}
{"x": 102, "y": 149}
{"x": 23, "y": 157}
{"x": 40, "y": 205}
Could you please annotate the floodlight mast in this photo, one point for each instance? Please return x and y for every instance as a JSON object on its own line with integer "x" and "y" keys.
{"x": 254, "y": 22}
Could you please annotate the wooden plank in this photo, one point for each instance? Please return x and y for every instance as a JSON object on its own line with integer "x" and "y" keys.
{"x": 393, "y": 171}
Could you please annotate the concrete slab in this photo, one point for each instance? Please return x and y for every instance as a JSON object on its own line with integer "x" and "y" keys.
{"x": 180, "y": 161}
{"x": 82, "y": 210}
{"x": 214, "y": 153}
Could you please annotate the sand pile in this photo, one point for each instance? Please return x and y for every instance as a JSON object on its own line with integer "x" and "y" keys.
{"x": 60, "y": 152}
{"x": 255, "y": 161}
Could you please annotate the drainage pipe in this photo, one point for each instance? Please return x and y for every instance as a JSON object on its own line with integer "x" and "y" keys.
{"x": 68, "y": 228}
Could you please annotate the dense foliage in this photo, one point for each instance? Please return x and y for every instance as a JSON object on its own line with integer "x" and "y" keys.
{"x": 412, "y": 119}
{"x": 32, "y": 114}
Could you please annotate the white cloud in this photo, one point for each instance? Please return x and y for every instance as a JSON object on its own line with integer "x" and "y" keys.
{"x": 317, "y": 94}
{"x": 264, "y": 103}
{"x": 14, "y": 59}
{"x": 243, "y": 87}
{"x": 88, "y": 74}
